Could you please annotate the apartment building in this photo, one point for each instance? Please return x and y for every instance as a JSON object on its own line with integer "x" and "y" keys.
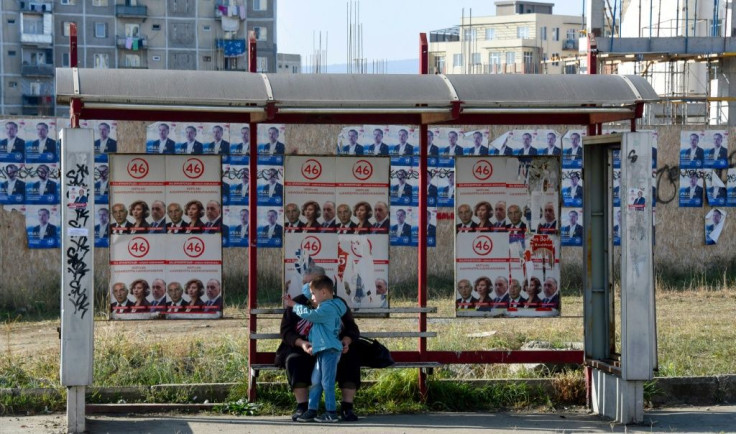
{"x": 155, "y": 34}
{"x": 522, "y": 38}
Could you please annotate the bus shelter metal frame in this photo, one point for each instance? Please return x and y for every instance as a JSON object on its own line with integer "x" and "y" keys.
{"x": 85, "y": 104}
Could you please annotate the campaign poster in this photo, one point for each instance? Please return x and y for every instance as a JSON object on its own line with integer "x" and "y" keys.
{"x": 731, "y": 187}
{"x": 374, "y": 140}
{"x": 216, "y": 139}
{"x": 194, "y": 182}
{"x": 637, "y": 198}
{"x": 444, "y": 179}
{"x": 194, "y": 264}
{"x": 403, "y": 140}
{"x": 236, "y": 181}
{"x": 525, "y": 142}
{"x": 190, "y": 137}
{"x": 518, "y": 204}
{"x": 541, "y": 265}
{"x": 433, "y": 180}
{"x": 105, "y": 136}
{"x": 571, "y": 233}
{"x": 41, "y": 144}
{"x": 692, "y": 153}
{"x": 137, "y": 183}
{"x": 350, "y": 141}
{"x": 271, "y": 139}
{"x": 362, "y": 202}
{"x": 484, "y": 200}
{"x": 102, "y": 183}
{"x": 617, "y": 226}
{"x": 136, "y": 261}
{"x": 482, "y": 259}
{"x": 572, "y": 188}
{"x": 270, "y": 181}
{"x": 270, "y": 230}
{"x": 403, "y": 221}
{"x": 102, "y": 224}
{"x": 161, "y": 137}
{"x": 714, "y": 221}
{"x": 572, "y": 150}
{"x": 616, "y": 187}
{"x": 715, "y": 147}
{"x": 43, "y": 226}
{"x": 552, "y": 143}
{"x": 303, "y": 250}
{"x": 236, "y": 219}
{"x": 12, "y": 185}
{"x": 477, "y": 143}
{"x": 715, "y": 188}
{"x": 310, "y": 195}
{"x": 545, "y": 211}
{"x": 434, "y": 143}
{"x": 13, "y": 142}
{"x": 239, "y": 140}
{"x": 503, "y": 144}
{"x": 691, "y": 188}
{"x": 431, "y": 227}
{"x": 42, "y": 183}
{"x": 404, "y": 188}
{"x": 450, "y": 141}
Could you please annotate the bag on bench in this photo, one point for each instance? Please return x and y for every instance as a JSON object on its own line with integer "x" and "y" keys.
{"x": 372, "y": 353}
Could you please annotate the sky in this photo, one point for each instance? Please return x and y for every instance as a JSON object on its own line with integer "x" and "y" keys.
{"x": 390, "y": 27}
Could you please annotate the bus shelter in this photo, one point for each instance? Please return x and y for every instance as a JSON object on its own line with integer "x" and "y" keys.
{"x": 423, "y": 100}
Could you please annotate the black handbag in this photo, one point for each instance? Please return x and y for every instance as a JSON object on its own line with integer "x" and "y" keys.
{"x": 373, "y": 354}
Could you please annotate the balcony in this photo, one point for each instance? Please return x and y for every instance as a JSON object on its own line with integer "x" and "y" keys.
{"x": 570, "y": 44}
{"x": 38, "y": 105}
{"x": 36, "y": 38}
{"x": 37, "y": 70}
{"x": 122, "y": 11}
{"x": 131, "y": 43}
{"x": 38, "y": 6}
{"x": 224, "y": 8}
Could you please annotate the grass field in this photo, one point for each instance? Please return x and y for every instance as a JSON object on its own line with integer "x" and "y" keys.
{"x": 695, "y": 337}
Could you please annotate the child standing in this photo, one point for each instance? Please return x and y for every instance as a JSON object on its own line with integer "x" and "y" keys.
{"x": 326, "y": 346}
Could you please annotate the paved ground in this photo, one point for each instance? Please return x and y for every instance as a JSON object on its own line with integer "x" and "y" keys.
{"x": 691, "y": 419}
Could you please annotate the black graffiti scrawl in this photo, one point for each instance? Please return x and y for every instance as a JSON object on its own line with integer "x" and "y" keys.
{"x": 78, "y": 254}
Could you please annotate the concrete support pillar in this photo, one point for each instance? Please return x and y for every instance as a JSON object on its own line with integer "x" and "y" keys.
{"x": 727, "y": 88}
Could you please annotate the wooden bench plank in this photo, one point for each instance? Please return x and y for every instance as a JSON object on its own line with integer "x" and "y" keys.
{"x": 279, "y": 311}
{"x": 371, "y": 335}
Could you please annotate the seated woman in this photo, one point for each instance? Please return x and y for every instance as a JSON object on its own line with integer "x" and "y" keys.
{"x": 311, "y": 211}
{"x": 139, "y": 211}
{"x": 141, "y": 290}
{"x": 195, "y": 291}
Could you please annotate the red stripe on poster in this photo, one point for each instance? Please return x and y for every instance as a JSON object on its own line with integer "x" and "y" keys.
{"x": 193, "y": 183}
{"x": 380, "y": 261}
{"x": 309, "y": 184}
{"x": 481, "y": 184}
{"x": 139, "y": 262}
{"x": 194, "y": 262}
{"x": 362, "y": 185}
{"x": 467, "y": 260}
{"x": 135, "y": 184}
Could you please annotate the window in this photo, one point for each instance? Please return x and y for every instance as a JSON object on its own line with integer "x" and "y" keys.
{"x": 100, "y": 2}
{"x": 571, "y": 69}
{"x": 12, "y": 84}
{"x": 260, "y": 5}
{"x": 100, "y": 30}
{"x": 522, "y": 32}
{"x": 543, "y": 33}
{"x": 66, "y": 28}
{"x": 571, "y": 34}
{"x": 468, "y": 34}
{"x": 206, "y": 28}
{"x": 510, "y": 57}
{"x": 156, "y": 27}
{"x": 65, "y": 59}
{"x": 35, "y": 88}
{"x": 494, "y": 58}
{"x": 132, "y": 30}
{"x": 132, "y": 60}
{"x": 457, "y": 60}
{"x": 156, "y": 58}
{"x": 11, "y": 21}
{"x": 68, "y": 2}
{"x": 262, "y": 64}
{"x": 490, "y": 34}
{"x": 528, "y": 57}
{"x": 439, "y": 64}
{"x": 231, "y": 63}
{"x": 206, "y": 58}
{"x": 102, "y": 61}
{"x": 32, "y": 24}
{"x": 476, "y": 59}
{"x": 261, "y": 33}
{"x": 555, "y": 59}
{"x": 555, "y": 33}
{"x": 11, "y": 53}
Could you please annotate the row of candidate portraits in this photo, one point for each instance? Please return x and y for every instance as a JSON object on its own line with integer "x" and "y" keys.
{"x": 704, "y": 149}
{"x": 361, "y": 218}
{"x": 212, "y": 138}
{"x": 140, "y": 296}
{"x": 403, "y": 140}
{"x": 497, "y": 217}
{"x": 502, "y": 292}
{"x": 194, "y": 217}
{"x": 39, "y": 145}
{"x": 29, "y": 183}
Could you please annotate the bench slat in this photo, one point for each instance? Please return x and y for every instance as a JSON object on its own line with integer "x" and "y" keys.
{"x": 279, "y": 311}
{"x": 397, "y": 365}
{"x": 265, "y": 336}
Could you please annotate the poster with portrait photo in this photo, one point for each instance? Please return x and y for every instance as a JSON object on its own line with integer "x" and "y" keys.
{"x": 106, "y": 138}
{"x": 239, "y": 142}
{"x": 41, "y": 142}
{"x": 236, "y": 219}
{"x": 362, "y": 272}
{"x": 194, "y": 183}
{"x": 714, "y": 222}
{"x": 518, "y": 202}
{"x": 482, "y": 258}
{"x": 572, "y": 149}
{"x": 571, "y": 233}
{"x": 135, "y": 262}
{"x": 476, "y": 142}
{"x": 715, "y": 188}
{"x": 137, "y": 181}
{"x": 692, "y": 153}
{"x": 303, "y": 250}
{"x": 270, "y": 228}
{"x": 715, "y": 147}
{"x": 195, "y": 262}
{"x": 503, "y": 144}
{"x": 216, "y": 139}
{"x": 444, "y": 179}
{"x": 617, "y": 226}
{"x": 374, "y": 140}
{"x": 403, "y": 140}
{"x": 364, "y": 182}
{"x": 102, "y": 182}
{"x": 551, "y": 142}
{"x": 43, "y": 226}
{"x": 403, "y": 222}
{"x": 42, "y": 183}
{"x": 431, "y": 227}
{"x": 450, "y": 141}
{"x": 309, "y": 195}
{"x": 12, "y": 183}
{"x": 190, "y": 138}
{"x": 545, "y": 212}
{"x": 542, "y": 267}
{"x": 636, "y": 198}
{"x": 270, "y": 181}
{"x": 691, "y": 188}
{"x": 525, "y": 142}
{"x": 351, "y": 141}
{"x": 12, "y": 141}
{"x": 236, "y": 181}
{"x": 731, "y": 187}
{"x": 271, "y": 139}
{"x": 161, "y": 137}
{"x": 482, "y": 187}
{"x": 102, "y": 225}
{"x": 616, "y": 187}
{"x": 404, "y": 179}
{"x": 572, "y": 188}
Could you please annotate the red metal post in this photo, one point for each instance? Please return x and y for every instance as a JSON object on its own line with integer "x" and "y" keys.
{"x": 252, "y": 255}
{"x": 423, "y": 54}
{"x": 75, "y": 106}
{"x": 252, "y": 53}
{"x": 423, "y": 221}
{"x": 592, "y": 54}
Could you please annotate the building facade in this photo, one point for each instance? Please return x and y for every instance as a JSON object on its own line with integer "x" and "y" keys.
{"x": 155, "y": 34}
{"x": 522, "y": 38}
